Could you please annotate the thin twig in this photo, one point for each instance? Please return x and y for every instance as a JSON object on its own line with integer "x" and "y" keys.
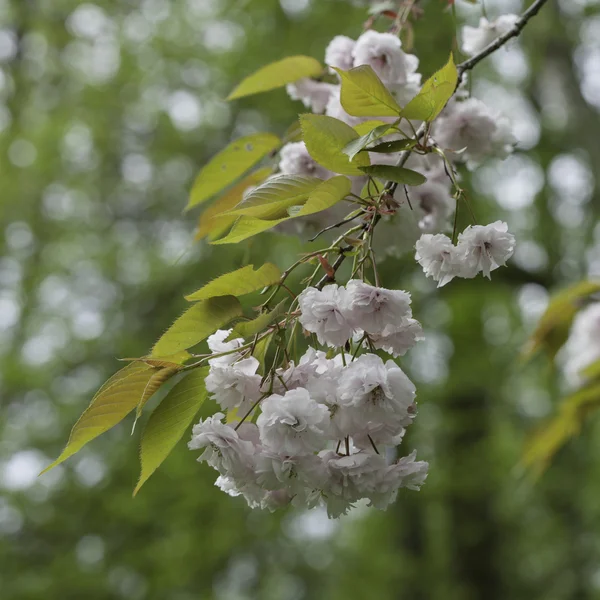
{"x": 514, "y": 31}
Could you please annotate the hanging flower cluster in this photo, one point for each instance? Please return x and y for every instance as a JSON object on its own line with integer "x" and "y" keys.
{"x": 377, "y": 161}
{"x": 318, "y": 432}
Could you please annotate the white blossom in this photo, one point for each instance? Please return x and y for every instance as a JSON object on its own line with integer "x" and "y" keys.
{"x": 236, "y": 384}
{"x": 475, "y": 129}
{"x": 375, "y": 397}
{"x": 398, "y": 339}
{"x": 218, "y": 345}
{"x": 293, "y": 424}
{"x": 294, "y": 159}
{"x": 313, "y": 94}
{"x": 350, "y": 478}
{"x": 475, "y": 39}
{"x": 225, "y": 450}
{"x": 406, "y": 472}
{"x": 484, "y": 248}
{"x": 439, "y": 257}
{"x": 382, "y": 52}
{"x": 372, "y": 309}
{"x": 339, "y": 52}
{"x": 322, "y": 312}
{"x": 583, "y": 345}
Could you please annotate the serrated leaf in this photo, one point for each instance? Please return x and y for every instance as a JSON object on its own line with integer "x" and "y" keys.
{"x": 169, "y": 421}
{"x": 229, "y": 164}
{"x": 196, "y": 324}
{"x": 246, "y": 227}
{"x": 553, "y": 327}
{"x": 246, "y": 329}
{"x": 160, "y": 376}
{"x": 277, "y": 74}
{"x": 239, "y": 282}
{"x": 434, "y": 94}
{"x": 325, "y": 138}
{"x": 111, "y": 404}
{"x": 354, "y": 147}
{"x": 397, "y": 174}
{"x": 393, "y": 146}
{"x": 272, "y": 199}
{"x": 214, "y": 221}
{"x": 567, "y": 423}
{"x": 326, "y": 195}
{"x": 175, "y": 360}
{"x": 363, "y": 94}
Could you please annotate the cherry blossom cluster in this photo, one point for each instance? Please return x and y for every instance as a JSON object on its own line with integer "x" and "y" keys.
{"x": 480, "y": 249}
{"x": 467, "y": 130}
{"x": 318, "y": 432}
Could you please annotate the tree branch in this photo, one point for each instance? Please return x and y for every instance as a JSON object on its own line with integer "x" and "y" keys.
{"x": 462, "y": 68}
{"x": 514, "y": 31}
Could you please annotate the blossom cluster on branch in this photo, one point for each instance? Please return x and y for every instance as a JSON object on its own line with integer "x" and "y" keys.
{"x": 377, "y": 160}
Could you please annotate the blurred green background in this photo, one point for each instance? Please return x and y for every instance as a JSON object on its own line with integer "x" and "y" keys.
{"x": 107, "y": 111}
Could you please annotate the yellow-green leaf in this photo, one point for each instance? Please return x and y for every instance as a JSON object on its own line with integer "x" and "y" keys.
{"x": 169, "y": 421}
{"x": 213, "y": 221}
{"x": 111, "y": 404}
{"x": 229, "y": 164}
{"x": 434, "y": 94}
{"x": 567, "y": 423}
{"x": 196, "y": 324}
{"x": 326, "y": 138}
{"x": 156, "y": 380}
{"x": 397, "y": 174}
{"x": 326, "y": 195}
{"x": 553, "y": 327}
{"x": 245, "y": 329}
{"x": 277, "y": 74}
{"x": 246, "y": 227}
{"x": 239, "y": 282}
{"x": 272, "y": 199}
{"x": 364, "y": 94}
{"x": 355, "y": 146}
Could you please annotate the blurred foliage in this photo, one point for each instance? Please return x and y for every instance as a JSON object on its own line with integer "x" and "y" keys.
{"x": 107, "y": 113}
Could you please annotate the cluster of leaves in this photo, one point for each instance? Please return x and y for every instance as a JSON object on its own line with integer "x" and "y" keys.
{"x": 236, "y": 215}
{"x": 549, "y": 337}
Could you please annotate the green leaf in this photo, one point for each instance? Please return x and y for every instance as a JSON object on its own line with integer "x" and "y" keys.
{"x": 246, "y": 227}
{"x": 393, "y": 146}
{"x": 397, "y": 174}
{"x": 229, "y": 164}
{"x": 156, "y": 380}
{"x": 272, "y": 199}
{"x": 543, "y": 444}
{"x": 434, "y": 94}
{"x": 326, "y": 195}
{"x": 354, "y": 147}
{"x": 246, "y": 329}
{"x": 111, "y": 404}
{"x": 366, "y": 126}
{"x": 277, "y": 74}
{"x": 364, "y": 94}
{"x": 239, "y": 282}
{"x": 326, "y": 138}
{"x": 196, "y": 324}
{"x": 592, "y": 371}
{"x": 214, "y": 221}
{"x": 169, "y": 421}
{"x": 552, "y": 330}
